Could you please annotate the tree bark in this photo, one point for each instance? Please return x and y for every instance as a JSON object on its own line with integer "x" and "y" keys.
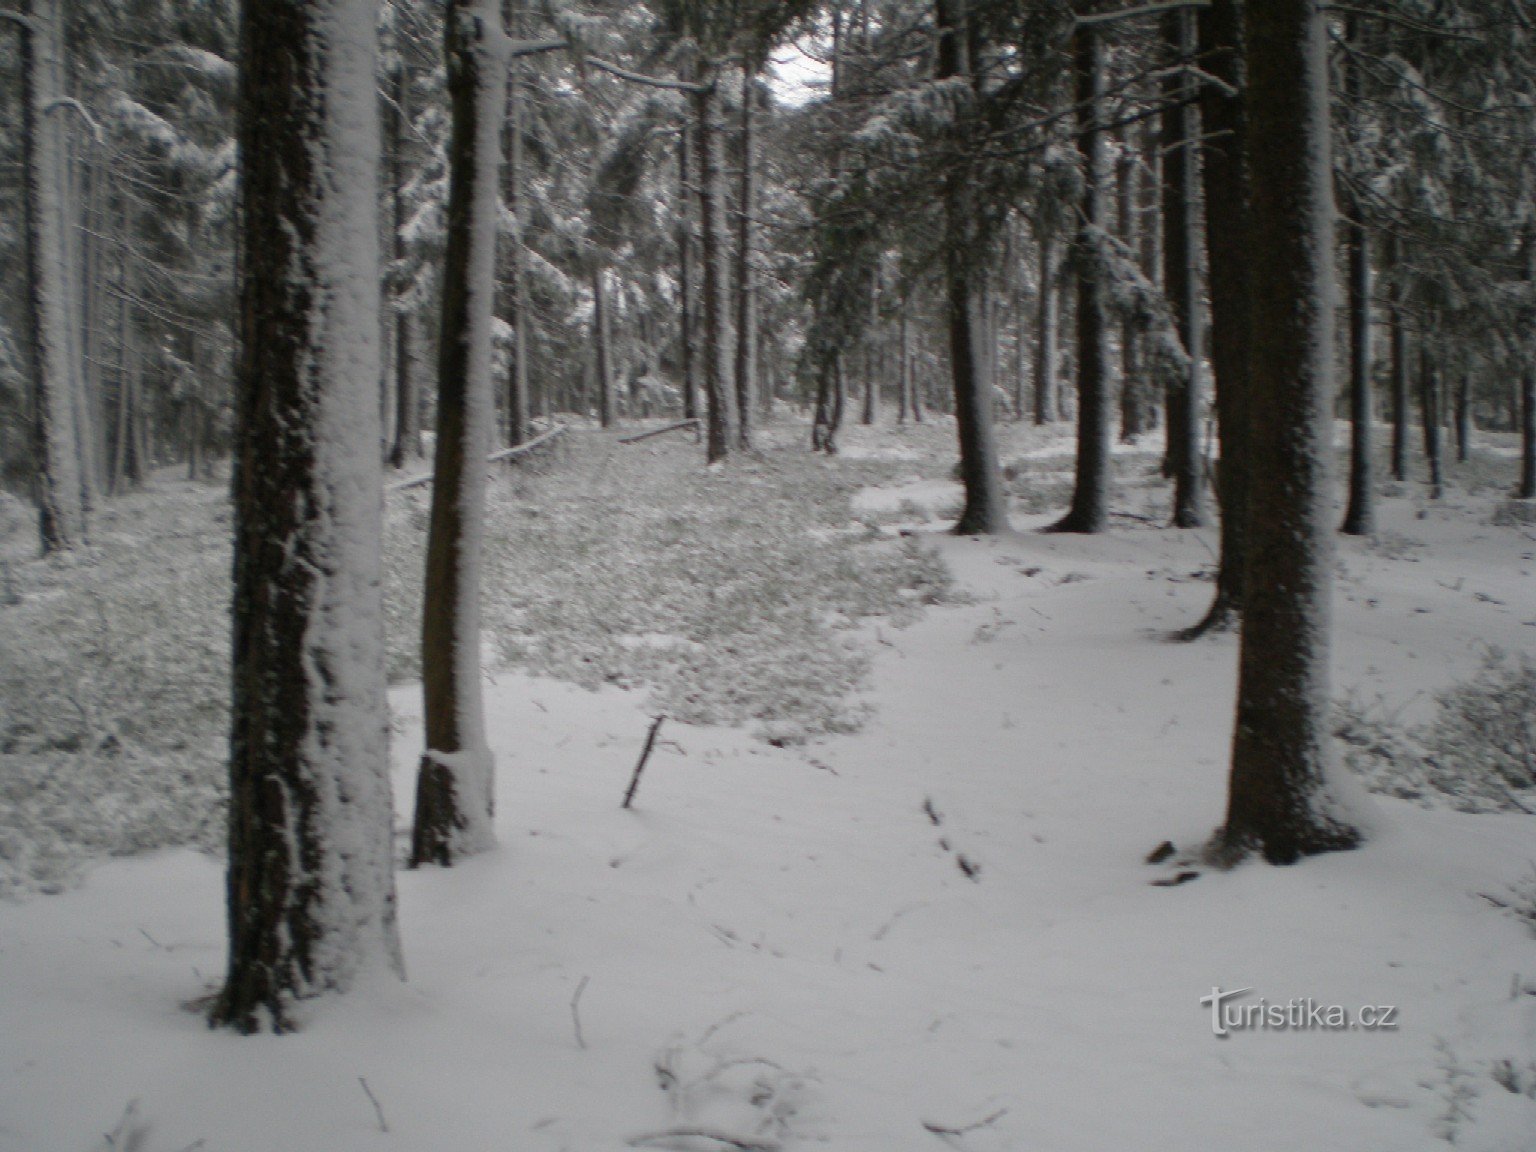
{"x": 1360, "y": 516}
{"x": 456, "y": 777}
{"x": 1429, "y": 413}
{"x": 1181, "y": 280}
{"x": 60, "y": 483}
{"x": 685, "y": 288}
{"x": 1398, "y": 365}
{"x": 518, "y": 396}
{"x": 746, "y": 319}
{"x": 1526, "y": 489}
{"x": 717, "y": 396}
{"x": 1128, "y": 190}
{"x": 1046, "y": 356}
{"x": 311, "y": 894}
{"x": 1285, "y": 798}
{"x": 1090, "y": 494}
{"x": 985, "y": 508}
{"x": 602, "y": 366}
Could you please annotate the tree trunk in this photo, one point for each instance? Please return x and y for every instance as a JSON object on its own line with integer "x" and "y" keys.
{"x": 1463, "y": 417}
{"x": 1360, "y": 516}
{"x": 407, "y": 441}
{"x": 1181, "y": 279}
{"x": 456, "y": 778}
{"x": 1526, "y": 489}
{"x": 746, "y": 319}
{"x": 517, "y": 202}
{"x": 1046, "y": 355}
{"x": 1398, "y": 365}
{"x": 1429, "y": 411}
{"x": 60, "y": 484}
{"x": 1090, "y": 494}
{"x": 1285, "y": 798}
{"x": 1132, "y": 417}
{"x": 311, "y": 891}
{"x": 602, "y": 366}
{"x": 685, "y": 289}
{"x": 717, "y": 396}
{"x": 985, "y": 508}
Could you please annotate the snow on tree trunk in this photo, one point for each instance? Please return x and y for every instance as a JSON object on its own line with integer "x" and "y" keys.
{"x": 717, "y": 391}
{"x": 1090, "y": 494}
{"x": 311, "y": 897}
{"x": 60, "y": 487}
{"x": 456, "y": 777}
{"x": 1287, "y": 797}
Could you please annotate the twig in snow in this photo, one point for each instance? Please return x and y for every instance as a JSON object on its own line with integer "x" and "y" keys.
{"x": 378, "y": 1109}
{"x": 745, "y": 1143}
{"x": 638, "y": 436}
{"x": 576, "y": 1011}
{"x": 645, "y": 754}
{"x": 946, "y": 1130}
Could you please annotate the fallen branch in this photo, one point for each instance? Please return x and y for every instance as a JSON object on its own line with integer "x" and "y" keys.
{"x": 745, "y": 1143}
{"x": 378, "y": 1108}
{"x": 645, "y": 754}
{"x": 505, "y": 454}
{"x": 945, "y": 1130}
{"x": 576, "y": 1011}
{"x": 638, "y": 436}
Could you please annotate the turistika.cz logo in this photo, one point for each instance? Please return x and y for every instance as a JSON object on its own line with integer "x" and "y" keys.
{"x": 1294, "y": 1015}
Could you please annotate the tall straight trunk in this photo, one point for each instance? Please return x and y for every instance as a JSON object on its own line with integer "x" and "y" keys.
{"x": 518, "y": 398}
{"x": 311, "y": 890}
{"x": 746, "y": 320}
{"x": 1429, "y": 414}
{"x": 602, "y": 357}
{"x": 1360, "y": 516}
{"x": 1181, "y": 279}
{"x": 903, "y": 368}
{"x": 872, "y": 356}
{"x": 985, "y": 508}
{"x": 685, "y": 286}
{"x": 1398, "y": 364}
{"x": 456, "y": 777}
{"x": 1526, "y": 489}
{"x": 717, "y": 392}
{"x": 60, "y": 483}
{"x": 127, "y": 468}
{"x": 1090, "y": 494}
{"x": 1463, "y": 417}
{"x": 1048, "y": 324}
{"x": 1228, "y": 228}
{"x": 1128, "y": 191}
{"x": 1285, "y": 798}
{"x": 407, "y": 440}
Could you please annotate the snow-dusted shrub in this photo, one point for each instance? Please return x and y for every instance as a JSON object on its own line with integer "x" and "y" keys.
{"x": 1477, "y": 754}
{"x": 731, "y": 594}
{"x": 114, "y": 689}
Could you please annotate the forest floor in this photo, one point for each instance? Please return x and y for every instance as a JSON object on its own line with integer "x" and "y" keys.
{"x": 885, "y": 890}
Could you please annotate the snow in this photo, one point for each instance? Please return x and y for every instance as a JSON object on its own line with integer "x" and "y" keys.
{"x": 781, "y": 945}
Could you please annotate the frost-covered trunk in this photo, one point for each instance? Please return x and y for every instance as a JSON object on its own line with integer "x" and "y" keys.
{"x": 1048, "y": 322}
{"x": 1285, "y": 797}
{"x": 407, "y": 439}
{"x": 746, "y": 317}
{"x": 1181, "y": 278}
{"x": 685, "y": 289}
{"x": 717, "y": 397}
{"x": 1224, "y": 174}
{"x": 456, "y": 778}
{"x": 311, "y": 895}
{"x": 521, "y": 321}
{"x": 1090, "y": 493}
{"x": 60, "y": 483}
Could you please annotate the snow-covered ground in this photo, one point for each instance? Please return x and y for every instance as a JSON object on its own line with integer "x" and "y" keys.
{"x": 939, "y": 930}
